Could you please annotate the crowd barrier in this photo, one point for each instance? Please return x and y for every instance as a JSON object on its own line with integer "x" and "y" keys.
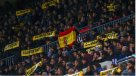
{"x": 99, "y": 29}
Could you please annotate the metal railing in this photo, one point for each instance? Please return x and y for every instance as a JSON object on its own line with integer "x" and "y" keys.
{"x": 100, "y": 29}
{"x": 8, "y": 61}
{"x": 125, "y": 59}
{"x": 47, "y": 46}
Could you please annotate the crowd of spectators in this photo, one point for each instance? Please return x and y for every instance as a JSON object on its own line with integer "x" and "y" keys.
{"x": 71, "y": 60}
{"x": 69, "y": 13}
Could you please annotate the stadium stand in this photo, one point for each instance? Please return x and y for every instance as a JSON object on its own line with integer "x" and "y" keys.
{"x": 31, "y": 40}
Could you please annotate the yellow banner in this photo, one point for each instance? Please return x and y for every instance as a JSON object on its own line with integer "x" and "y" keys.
{"x": 78, "y": 74}
{"x": 11, "y": 46}
{"x": 111, "y": 35}
{"x": 90, "y": 44}
{"x": 22, "y": 12}
{"x": 51, "y": 3}
{"x": 67, "y": 39}
{"x": 111, "y": 7}
{"x": 109, "y": 71}
{"x": 92, "y": 48}
{"x": 31, "y": 51}
{"x": 33, "y": 68}
{"x": 44, "y": 35}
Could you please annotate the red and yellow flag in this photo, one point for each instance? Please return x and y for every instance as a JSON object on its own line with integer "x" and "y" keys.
{"x": 67, "y": 37}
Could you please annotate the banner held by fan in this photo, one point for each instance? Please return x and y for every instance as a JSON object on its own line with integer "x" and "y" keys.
{"x": 90, "y": 44}
{"x": 11, "y": 46}
{"x": 110, "y": 71}
{"x": 51, "y": 3}
{"x": 108, "y": 36}
{"x": 22, "y": 12}
{"x": 44, "y": 35}
{"x": 32, "y": 51}
{"x": 67, "y": 38}
{"x": 33, "y": 68}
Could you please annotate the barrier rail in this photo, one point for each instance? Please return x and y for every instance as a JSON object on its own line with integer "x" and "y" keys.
{"x": 125, "y": 59}
{"x": 47, "y": 46}
{"x": 99, "y": 29}
{"x": 8, "y": 61}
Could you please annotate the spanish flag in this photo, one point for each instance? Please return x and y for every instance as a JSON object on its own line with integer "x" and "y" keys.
{"x": 68, "y": 37}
